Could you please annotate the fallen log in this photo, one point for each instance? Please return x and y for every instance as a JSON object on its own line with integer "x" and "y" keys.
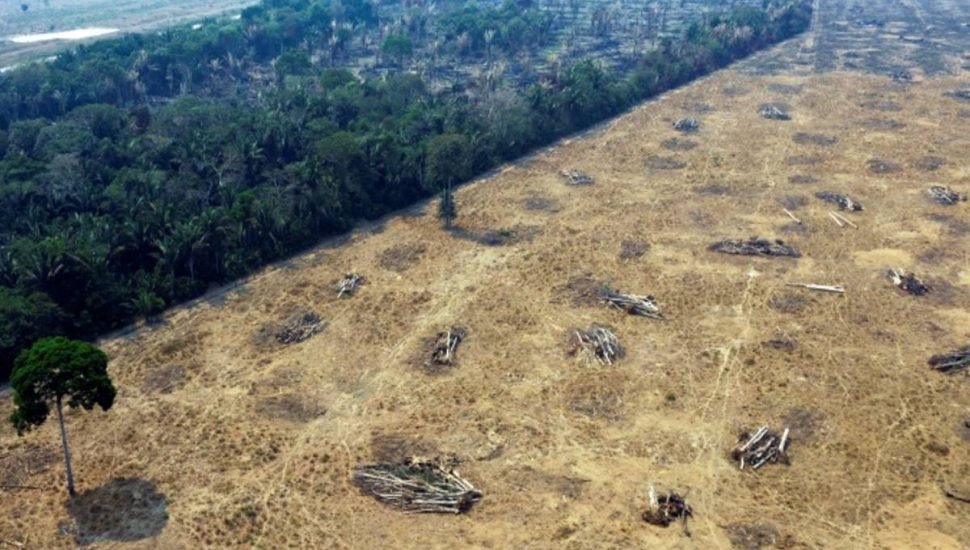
{"x": 349, "y": 285}
{"x": 762, "y": 447}
{"x": 755, "y": 247}
{"x": 844, "y": 202}
{"x": 633, "y": 304}
{"x": 598, "y": 343}
{"x": 952, "y": 362}
{"x": 418, "y": 486}
{"x": 575, "y": 177}
{"x": 772, "y": 112}
{"x": 944, "y": 195}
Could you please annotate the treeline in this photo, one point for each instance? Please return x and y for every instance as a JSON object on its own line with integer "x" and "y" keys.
{"x": 118, "y": 204}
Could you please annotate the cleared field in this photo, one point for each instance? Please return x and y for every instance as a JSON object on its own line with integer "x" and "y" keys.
{"x": 221, "y": 437}
{"x": 127, "y": 15}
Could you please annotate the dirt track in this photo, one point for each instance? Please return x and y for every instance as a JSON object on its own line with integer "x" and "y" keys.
{"x": 221, "y": 439}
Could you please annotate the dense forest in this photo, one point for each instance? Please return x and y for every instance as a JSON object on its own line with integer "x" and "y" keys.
{"x": 138, "y": 172}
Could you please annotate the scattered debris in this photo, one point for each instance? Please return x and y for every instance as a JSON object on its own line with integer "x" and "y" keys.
{"x": 953, "y": 362}
{"x": 823, "y": 288}
{"x": 755, "y": 247}
{"x": 630, "y": 249}
{"x": 348, "y": 285}
{"x": 879, "y": 166}
{"x": 444, "y": 346}
{"x": 657, "y": 162}
{"x": 598, "y": 343}
{"x": 944, "y": 195}
{"x": 803, "y": 138}
{"x": 575, "y": 177}
{"x": 963, "y": 95}
{"x": 300, "y": 328}
{"x": 841, "y": 220}
{"x": 908, "y": 282}
{"x": 687, "y": 125}
{"x": 772, "y": 112}
{"x": 901, "y": 75}
{"x": 843, "y": 201}
{"x": 418, "y": 486}
{"x": 667, "y": 509}
{"x": 633, "y": 303}
{"x": 761, "y": 448}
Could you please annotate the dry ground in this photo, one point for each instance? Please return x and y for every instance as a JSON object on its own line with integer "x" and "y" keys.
{"x": 220, "y": 438}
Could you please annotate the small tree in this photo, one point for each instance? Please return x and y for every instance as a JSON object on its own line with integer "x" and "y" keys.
{"x": 446, "y": 206}
{"x": 399, "y": 47}
{"x": 52, "y": 369}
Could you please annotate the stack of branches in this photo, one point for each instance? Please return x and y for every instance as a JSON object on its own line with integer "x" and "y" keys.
{"x": 843, "y": 201}
{"x": 944, "y": 195}
{"x": 761, "y": 448}
{"x": 418, "y": 486}
{"x": 908, "y": 282}
{"x": 755, "y": 247}
{"x": 687, "y": 125}
{"x": 575, "y": 177}
{"x": 300, "y": 328}
{"x": 445, "y": 345}
{"x": 633, "y": 304}
{"x": 772, "y": 112}
{"x": 349, "y": 284}
{"x": 598, "y": 343}
{"x": 667, "y": 509}
{"x": 953, "y": 362}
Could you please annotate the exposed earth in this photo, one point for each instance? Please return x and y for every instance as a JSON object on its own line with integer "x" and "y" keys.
{"x": 221, "y": 437}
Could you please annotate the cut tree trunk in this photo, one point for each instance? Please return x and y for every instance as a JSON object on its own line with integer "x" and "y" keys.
{"x": 67, "y": 452}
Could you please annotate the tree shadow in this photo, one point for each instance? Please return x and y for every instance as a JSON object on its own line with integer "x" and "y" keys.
{"x": 124, "y": 509}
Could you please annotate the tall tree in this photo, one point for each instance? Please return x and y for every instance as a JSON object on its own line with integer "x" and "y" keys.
{"x": 51, "y": 370}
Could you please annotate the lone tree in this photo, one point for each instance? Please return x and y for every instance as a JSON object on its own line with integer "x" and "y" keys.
{"x": 51, "y": 370}
{"x": 446, "y": 206}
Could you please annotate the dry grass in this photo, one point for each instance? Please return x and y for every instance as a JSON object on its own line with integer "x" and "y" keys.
{"x": 254, "y": 446}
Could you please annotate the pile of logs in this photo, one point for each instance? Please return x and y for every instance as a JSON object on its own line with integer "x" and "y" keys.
{"x": 908, "y": 282}
{"x": 687, "y": 125}
{"x": 953, "y": 362}
{"x": 944, "y": 195}
{"x": 599, "y": 343}
{"x": 300, "y": 328}
{"x": 667, "y": 509}
{"x": 772, "y": 112}
{"x": 348, "y": 285}
{"x": 633, "y": 304}
{"x": 575, "y": 177}
{"x": 445, "y": 345}
{"x": 761, "y": 448}
{"x": 755, "y": 247}
{"x": 843, "y": 201}
{"x": 418, "y": 486}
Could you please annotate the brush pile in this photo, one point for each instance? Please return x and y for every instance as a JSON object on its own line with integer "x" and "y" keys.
{"x": 843, "y": 201}
{"x": 300, "y": 328}
{"x": 348, "y": 285}
{"x": 598, "y": 343}
{"x": 687, "y": 125}
{"x": 667, "y": 509}
{"x": 575, "y": 177}
{"x": 418, "y": 486}
{"x": 953, "y": 362}
{"x": 755, "y": 247}
{"x": 908, "y": 282}
{"x": 944, "y": 195}
{"x": 633, "y": 304}
{"x": 764, "y": 447}
{"x": 445, "y": 345}
{"x": 772, "y": 112}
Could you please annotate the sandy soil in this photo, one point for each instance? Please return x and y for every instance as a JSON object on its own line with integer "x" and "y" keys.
{"x": 220, "y": 438}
